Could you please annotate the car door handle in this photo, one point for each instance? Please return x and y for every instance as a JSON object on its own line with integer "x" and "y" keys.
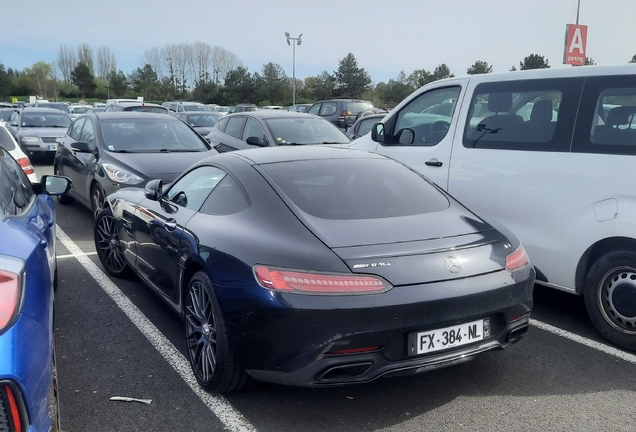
{"x": 433, "y": 162}
{"x": 170, "y": 225}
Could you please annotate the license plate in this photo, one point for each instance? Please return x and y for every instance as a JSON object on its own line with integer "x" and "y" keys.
{"x": 52, "y": 147}
{"x": 448, "y": 337}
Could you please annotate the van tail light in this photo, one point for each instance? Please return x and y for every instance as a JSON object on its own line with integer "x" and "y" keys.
{"x": 25, "y": 163}
{"x": 302, "y": 282}
{"x": 517, "y": 260}
{"x": 343, "y": 116}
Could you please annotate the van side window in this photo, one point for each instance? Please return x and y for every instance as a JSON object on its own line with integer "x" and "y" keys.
{"x": 614, "y": 122}
{"x": 425, "y": 121}
{"x": 536, "y": 115}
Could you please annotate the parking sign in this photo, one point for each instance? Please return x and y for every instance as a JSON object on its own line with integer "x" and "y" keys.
{"x": 575, "y": 44}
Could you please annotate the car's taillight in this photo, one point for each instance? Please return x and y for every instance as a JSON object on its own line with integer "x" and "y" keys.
{"x": 25, "y": 163}
{"x": 319, "y": 283}
{"x": 15, "y": 422}
{"x": 343, "y": 116}
{"x": 9, "y": 296}
{"x": 517, "y": 260}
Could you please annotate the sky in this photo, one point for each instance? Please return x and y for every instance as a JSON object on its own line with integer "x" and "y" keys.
{"x": 386, "y": 37}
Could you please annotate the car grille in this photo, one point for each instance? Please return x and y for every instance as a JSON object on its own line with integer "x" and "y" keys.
{"x": 49, "y": 140}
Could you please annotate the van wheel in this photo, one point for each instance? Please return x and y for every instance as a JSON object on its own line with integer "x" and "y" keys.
{"x": 610, "y": 297}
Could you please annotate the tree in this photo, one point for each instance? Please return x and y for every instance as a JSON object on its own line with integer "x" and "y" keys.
{"x": 272, "y": 83}
{"x": 394, "y": 91}
{"x": 479, "y": 67}
{"x": 66, "y": 61}
{"x": 321, "y": 87}
{"x": 41, "y": 73}
{"x": 83, "y": 79}
{"x": 239, "y": 86}
{"x": 106, "y": 63}
{"x": 420, "y": 77}
{"x": 85, "y": 55}
{"x": 534, "y": 61}
{"x": 633, "y": 60}
{"x": 223, "y": 61}
{"x": 144, "y": 81}
{"x": 5, "y": 82}
{"x": 117, "y": 84}
{"x": 351, "y": 80}
{"x": 441, "y": 72}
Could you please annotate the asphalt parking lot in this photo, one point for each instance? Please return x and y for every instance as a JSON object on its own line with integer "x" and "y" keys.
{"x": 117, "y": 338}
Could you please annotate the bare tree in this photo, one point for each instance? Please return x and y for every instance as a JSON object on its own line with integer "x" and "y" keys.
{"x": 168, "y": 54}
{"x": 182, "y": 56}
{"x": 106, "y": 63}
{"x": 85, "y": 55}
{"x": 153, "y": 57}
{"x": 201, "y": 62}
{"x": 66, "y": 61}
{"x": 223, "y": 61}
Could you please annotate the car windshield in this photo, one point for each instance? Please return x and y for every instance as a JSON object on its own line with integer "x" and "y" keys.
{"x": 58, "y": 106}
{"x": 303, "y": 130}
{"x": 194, "y": 108}
{"x": 356, "y": 188}
{"x": 150, "y": 136}
{"x": 45, "y": 119}
{"x": 202, "y": 120}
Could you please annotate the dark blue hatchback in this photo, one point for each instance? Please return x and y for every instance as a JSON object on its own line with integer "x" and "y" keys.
{"x": 28, "y": 392}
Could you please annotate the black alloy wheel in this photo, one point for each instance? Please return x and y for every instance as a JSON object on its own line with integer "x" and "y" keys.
{"x": 107, "y": 245}
{"x": 610, "y": 297}
{"x": 97, "y": 200}
{"x": 211, "y": 356}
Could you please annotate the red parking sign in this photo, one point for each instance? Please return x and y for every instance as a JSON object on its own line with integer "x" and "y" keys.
{"x": 575, "y": 44}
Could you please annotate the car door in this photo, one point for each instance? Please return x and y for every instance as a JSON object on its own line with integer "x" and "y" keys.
{"x": 421, "y": 140}
{"x": 82, "y": 164}
{"x": 65, "y": 159}
{"x": 160, "y": 225}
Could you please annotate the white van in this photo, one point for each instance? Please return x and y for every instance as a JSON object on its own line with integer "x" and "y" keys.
{"x": 549, "y": 153}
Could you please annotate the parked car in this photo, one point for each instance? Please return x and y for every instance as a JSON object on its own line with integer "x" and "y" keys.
{"x": 136, "y": 106}
{"x": 221, "y": 109}
{"x": 56, "y": 105}
{"x": 186, "y": 106}
{"x": 341, "y": 112}
{"x": 317, "y": 267}
{"x": 5, "y": 114}
{"x": 202, "y": 122}
{"x": 105, "y": 152}
{"x": 363, "y": 125}
{"x": 37, "y": 129}
{"x": 76, "y": 110}
{"x": 539, "y": 151}
{"x": 9, "y": 143}
{"x": 28, "y": 383}
{"x": 243, "y": 108}
{"x": 267, "y": 128}
{"x": 299, "y": 107}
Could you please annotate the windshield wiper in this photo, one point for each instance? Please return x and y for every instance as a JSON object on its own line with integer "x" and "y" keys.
{"x": 332, "y": 142}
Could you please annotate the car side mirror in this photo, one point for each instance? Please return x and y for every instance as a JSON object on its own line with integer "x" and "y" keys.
{"x": 377, "y": 132}
{"x": 255, "y": 141}
{"x": 52, "y": 185}
{"x": 153, "y": 190}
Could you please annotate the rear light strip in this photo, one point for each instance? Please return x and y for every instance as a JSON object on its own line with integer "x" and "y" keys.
{"x": 25, "y": 163}
{"x": 303, "y": 282}
{"x": 517, "y": 260}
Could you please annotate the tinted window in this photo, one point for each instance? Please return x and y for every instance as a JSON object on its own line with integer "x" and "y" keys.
{"x": 5, "y": 114}
{"x": 6, "y": 140}
{"x": 222, "y": 123}
{"x": 314, "y": 109}
{"x": 355, "y": 108}
{"x": 535, "y": 115}
{"x": 226, "y": 198}
{"x": 606, "y": 122}
{"x": 76, "y": 129}
{"x": 54, "y": 119}
{"x": 366, "y": 125}
{"x": 416, "y": 125}
{"x": 254, "y": 130}
{"x": 201, "y": 120}
{"x": 193, "y": 188}
{"x": 15, "y": 187}
{"x": 194, "y": 108}
{"x": 328, "y": 108}
{"x": 302, "y": 130}
{"x": 234, "y": 126}
{"x": 88, "y": 134}
{"x": 146, "y": 108}
{"x": 356, "y": 188}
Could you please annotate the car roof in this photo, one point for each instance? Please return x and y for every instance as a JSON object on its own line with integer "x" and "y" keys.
{"x": 40, "y": 110}
{"x": 264, "y": 155}
{"x": 267, "y": 114}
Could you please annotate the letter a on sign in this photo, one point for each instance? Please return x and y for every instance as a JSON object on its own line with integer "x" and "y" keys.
{"x": 575, "y": 44}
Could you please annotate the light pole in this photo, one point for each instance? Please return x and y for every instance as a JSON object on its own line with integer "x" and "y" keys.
{"x": 296, "y": 41}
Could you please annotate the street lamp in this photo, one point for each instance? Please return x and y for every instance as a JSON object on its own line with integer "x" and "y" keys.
{"x": 296, "y": 41}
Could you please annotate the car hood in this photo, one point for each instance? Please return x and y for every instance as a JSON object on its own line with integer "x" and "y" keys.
{"x": 164, "y": 166}
{"x": 43, "y": 132}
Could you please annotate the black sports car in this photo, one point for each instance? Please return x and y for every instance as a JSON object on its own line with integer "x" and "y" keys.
{"x": 317, "y": 266}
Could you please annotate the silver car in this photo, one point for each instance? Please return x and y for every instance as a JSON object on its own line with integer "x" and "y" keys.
{"x": 37, "y": 129}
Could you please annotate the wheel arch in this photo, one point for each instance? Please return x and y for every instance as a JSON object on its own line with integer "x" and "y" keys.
{"x": 189, "y": 270}
{"x": 94, "y": 183}
{"x": 595, "y": 251}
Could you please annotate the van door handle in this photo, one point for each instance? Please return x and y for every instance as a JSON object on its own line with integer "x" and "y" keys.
{"x": 433, "y": 162}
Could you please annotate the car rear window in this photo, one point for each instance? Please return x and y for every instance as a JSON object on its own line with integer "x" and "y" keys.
{"x": 356, "y": 188}
{"x": 355, "y": 108}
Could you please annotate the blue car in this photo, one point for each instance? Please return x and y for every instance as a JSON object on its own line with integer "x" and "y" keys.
{"x": 28, "y": 388}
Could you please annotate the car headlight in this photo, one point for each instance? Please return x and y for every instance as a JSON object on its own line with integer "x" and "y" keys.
{"x": 120, "y": 175}
{"x": 30, "y": 139}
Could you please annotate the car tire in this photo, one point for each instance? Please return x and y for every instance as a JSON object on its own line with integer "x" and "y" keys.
{"x": 54, "y": 400}
{"x": 209, "y": 350}
{"x": 65, "y": 198}
{"x": 97, "y": 200}
{"x": 610, "y": 297}
{"x": 107, "y": 245}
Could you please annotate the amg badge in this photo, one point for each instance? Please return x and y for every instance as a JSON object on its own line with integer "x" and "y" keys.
{"x": 380, "y": 264}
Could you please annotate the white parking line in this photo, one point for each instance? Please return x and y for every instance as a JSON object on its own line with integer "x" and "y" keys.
{"x": 584, "y": 341}
{"x": 74, "y": 255}
{"x": 230, "y": 417}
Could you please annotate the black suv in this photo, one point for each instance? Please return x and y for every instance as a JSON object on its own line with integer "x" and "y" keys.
{"x": 341, "y": 112}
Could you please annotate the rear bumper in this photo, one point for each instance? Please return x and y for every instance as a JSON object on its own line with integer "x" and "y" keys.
{"x": 291, "y": 339}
